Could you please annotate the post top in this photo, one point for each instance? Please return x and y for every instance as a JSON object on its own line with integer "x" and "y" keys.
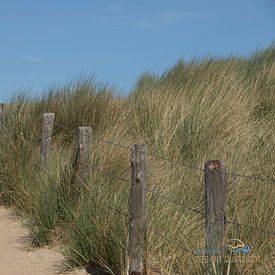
{"x": 48, "y": 114}
{"x": 84, "y": 128}
{"x": 214, "y": 164}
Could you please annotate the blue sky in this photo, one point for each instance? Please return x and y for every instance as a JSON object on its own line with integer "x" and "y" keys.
{"x": 51, "y": 42}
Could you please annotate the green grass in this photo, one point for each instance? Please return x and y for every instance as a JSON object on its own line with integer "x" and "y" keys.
{"x": 206, "y": 109}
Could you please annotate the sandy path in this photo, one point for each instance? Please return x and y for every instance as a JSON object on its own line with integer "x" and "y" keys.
{"x": 16, "y": 259}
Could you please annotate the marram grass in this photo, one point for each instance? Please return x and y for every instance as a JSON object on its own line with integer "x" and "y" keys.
{"x": 208, "y": 109}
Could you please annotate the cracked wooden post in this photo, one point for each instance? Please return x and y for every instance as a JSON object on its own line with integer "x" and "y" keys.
{"x": 48, "y": 119}
{"x": 215, "y": 212}
{"x": 82, "y": 157}
{"x": 137, "y": 208}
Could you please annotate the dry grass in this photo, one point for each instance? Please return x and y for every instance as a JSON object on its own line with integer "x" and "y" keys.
{"x": 211, "y": 109}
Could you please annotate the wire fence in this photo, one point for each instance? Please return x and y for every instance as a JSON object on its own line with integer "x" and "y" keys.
{"x": 183, "y": 206}
{"x": 270, "y": 232}
{"x": 177, "y": 162}
{"x": 153, "y": 190}
{"x": 128, "y": 148}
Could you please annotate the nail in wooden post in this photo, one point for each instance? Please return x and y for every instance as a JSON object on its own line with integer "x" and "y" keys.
{"x": 82, "y": 158}
{"x": 137, "y": 219}
{"x": 215, "y": 210}
{"x": 48, "y": 119}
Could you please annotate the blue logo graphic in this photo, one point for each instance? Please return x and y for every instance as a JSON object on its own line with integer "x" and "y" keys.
{"x": 233, "y": 245}
{"x": 236, "y": 245}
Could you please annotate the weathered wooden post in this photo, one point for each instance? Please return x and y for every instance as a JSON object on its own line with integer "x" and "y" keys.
{"x": 47, "y": 130}
{"x": 82, "y": 156}
{"x": 137, "y": 218}
{"x": 215, "y": 212}
{"x": 2, "y": 114}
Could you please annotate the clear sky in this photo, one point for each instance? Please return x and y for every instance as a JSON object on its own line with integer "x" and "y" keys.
{"x": 53, "y": 41}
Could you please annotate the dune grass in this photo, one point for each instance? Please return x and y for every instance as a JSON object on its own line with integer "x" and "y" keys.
{"x": 206, "y": 109}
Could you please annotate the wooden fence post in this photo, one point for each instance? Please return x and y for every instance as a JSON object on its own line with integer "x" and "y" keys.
{"x": 137, "y": 218}
{"x": 215, "y": 212}
{"x": 82, "y": 156}
{"x": 2, "y": 114}
{"x": 48, "y": 119}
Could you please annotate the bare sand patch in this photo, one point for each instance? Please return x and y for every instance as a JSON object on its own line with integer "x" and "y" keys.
{"x": 17, "y": 259}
